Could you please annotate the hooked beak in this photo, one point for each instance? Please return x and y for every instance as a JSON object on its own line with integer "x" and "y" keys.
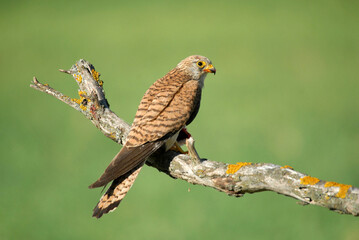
{"x": 210, "y": 69}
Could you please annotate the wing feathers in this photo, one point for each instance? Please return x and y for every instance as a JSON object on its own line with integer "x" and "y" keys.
{"x": 147, "y": 134}
{"x": 164, "y": 115}
{"x": 126, "y": 160}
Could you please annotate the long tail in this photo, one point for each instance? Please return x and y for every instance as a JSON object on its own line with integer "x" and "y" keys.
{"x": 116, "y": 192}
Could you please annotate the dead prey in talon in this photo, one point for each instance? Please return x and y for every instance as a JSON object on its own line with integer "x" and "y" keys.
{"x": 169, "y": 105}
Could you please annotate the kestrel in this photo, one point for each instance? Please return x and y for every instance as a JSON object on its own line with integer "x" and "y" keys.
{"x": 169, "y": 105}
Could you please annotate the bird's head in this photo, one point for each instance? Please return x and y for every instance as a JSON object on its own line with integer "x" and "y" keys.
{"x": 196, "y": 66}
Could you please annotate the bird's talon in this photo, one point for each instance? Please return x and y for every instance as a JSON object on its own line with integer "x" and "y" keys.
{"x": 177, "y": 148}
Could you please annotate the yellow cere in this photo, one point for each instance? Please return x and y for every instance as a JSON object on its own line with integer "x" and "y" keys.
{"x": 308, "y": 180}
{"x": 233, "y": 168}
{"x": 286, "y": 166}
{"x": 343, "y": 188}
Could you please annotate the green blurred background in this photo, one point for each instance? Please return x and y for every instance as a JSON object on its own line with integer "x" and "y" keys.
{"x": 286, "y": 92}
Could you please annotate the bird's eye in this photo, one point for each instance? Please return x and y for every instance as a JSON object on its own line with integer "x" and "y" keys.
{"x": 201, "y": 64}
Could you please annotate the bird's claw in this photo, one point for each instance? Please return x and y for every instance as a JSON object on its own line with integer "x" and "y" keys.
{"x": 177, "y": 148}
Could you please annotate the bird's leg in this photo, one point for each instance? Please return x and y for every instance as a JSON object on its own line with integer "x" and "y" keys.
{"x": 185, "y": 137}
{"x": 190, "y": 144}
{"x": 192, "y": 150}
{"x": 181, "y": 139}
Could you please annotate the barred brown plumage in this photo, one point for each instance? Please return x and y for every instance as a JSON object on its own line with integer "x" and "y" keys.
{"x": 170, "y": 104}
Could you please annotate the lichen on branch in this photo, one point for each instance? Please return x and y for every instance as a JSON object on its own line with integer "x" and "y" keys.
{"x": 232, "y": 179}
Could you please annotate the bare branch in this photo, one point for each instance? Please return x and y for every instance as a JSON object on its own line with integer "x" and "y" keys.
{"x": 233, "y": 179}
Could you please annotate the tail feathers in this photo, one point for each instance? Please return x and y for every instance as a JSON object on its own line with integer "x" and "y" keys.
{"x": 116, "y": 192}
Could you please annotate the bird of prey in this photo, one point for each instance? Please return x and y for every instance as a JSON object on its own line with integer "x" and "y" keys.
{"x": 169, "y": 105}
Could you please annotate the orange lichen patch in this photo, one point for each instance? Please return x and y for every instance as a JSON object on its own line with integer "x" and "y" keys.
{"x": 308, "y": 180}
{"x": 286, "y": 166}
{"x": 233, "y": 168}
{"x": 95, "y": 74}
{"x": 343, "y": 188}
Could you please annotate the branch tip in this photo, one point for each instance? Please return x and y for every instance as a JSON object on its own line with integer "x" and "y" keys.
{"x": 34, "y": 79}
{"x": 64, "y": 71}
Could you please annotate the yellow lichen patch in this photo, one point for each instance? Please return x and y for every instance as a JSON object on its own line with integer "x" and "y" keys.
{"x": 233, "y": 168}
{"x": 286, "y": 166}
{"x": 82, "y": 94}
{"x": 82, "y": 101}
{"x": 78, "y": 78}
{"x": 308, "y": 180}
{"x": 78, "y": 101}
{"x": 95, "y": 74}
{"x": 200, "y": 173}
{"x": 343, "y": 188}
{"x": 83, "y": 107}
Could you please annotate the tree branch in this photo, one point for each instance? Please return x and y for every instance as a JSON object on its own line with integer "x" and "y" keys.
{"x": 232, "y": 179}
